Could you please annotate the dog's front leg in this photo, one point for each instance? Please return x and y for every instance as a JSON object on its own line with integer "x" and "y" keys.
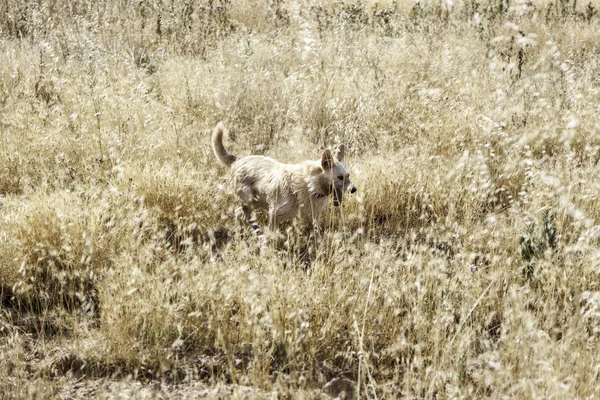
{"x": 273, "y": 220}
{"x": 312, "y": 228}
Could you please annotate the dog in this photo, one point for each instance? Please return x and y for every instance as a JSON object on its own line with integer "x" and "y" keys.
{"x": 284, "y": 190}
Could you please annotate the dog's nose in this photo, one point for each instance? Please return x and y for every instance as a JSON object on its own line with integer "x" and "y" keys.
{"x": 353, "y": 189}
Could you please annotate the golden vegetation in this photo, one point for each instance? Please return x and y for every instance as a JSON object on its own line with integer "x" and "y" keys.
{"x": 466, "y": 266}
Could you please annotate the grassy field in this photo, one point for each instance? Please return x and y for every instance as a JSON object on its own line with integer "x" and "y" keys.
{"x": 466, "y": 266}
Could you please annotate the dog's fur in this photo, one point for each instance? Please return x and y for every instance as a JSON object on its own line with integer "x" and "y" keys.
{"x": 284, "y": 190}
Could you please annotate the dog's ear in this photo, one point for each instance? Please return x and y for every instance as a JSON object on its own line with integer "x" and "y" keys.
{"x": 341, "y": 151}
{"x": 327, "y": 160}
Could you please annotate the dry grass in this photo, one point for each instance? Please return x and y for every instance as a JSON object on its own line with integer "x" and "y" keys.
{"x": 466, "y": 266}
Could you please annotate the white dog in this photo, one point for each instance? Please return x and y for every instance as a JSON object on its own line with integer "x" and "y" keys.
{"x": 284, "y": 190}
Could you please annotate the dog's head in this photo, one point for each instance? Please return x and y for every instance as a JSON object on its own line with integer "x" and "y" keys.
{"x": 335, "y": 176}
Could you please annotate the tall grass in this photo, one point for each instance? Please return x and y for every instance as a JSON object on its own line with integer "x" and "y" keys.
{"x": 465, "y": 267}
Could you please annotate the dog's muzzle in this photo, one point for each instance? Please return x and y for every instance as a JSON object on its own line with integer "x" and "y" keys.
{"x": 337, "y": 196}
{"x": 337, "y": 199}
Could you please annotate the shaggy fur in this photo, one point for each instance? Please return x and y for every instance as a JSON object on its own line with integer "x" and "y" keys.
{"x": 285, "y": 190}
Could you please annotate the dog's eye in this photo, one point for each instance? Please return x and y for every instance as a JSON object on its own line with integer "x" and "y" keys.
{"x": 341, "y": 177}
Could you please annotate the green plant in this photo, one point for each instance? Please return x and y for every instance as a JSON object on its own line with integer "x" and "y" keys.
{"x": 537, "y": 241}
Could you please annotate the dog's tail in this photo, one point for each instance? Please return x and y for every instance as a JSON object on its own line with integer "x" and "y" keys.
{"x": 217, "y": 145}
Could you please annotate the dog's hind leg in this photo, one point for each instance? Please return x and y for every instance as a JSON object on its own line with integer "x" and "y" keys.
{"x": 254, "y": 226}
{"x": 244, "y": 216}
